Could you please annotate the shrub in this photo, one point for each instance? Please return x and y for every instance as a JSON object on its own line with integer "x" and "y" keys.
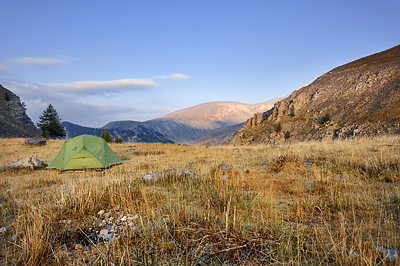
{"x": 287, "y": 135}
{"x": 278, "y": 128}
{"x": 326, "y": 118}
{"x": 106, "y": 136}
{"x": 118, "y": 140}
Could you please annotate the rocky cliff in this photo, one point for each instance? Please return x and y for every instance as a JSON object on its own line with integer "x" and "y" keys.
{"x": 361, "y": 98}
{"x": 13, "y": 119}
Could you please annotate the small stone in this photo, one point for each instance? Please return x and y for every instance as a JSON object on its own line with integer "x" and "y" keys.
{"x": 101, "y": 212}
{"x": 152, "y": 176}
{"x": 123, "y": 219}
{"x": 107, "y": 237}
{"x": 14, "y": 237}
{"x": 78, "y": 246}
{"x": 11, "y": 189}
{"x": 3, "y": 229}
{"x": 310, "y": 184}
{"x": 390, "y": 253}
{"x": 207, "y": 161}
{"x": 352, "y": 253}
{"x": 103, "y": 231}
{"x": 225, "y": 176}
{"x": 35, "y": 142}
{"x": 10, "y": 217}
{"x": 16, "y": 201}
{"x": 225, "y": 167}
{"x": 308, "y": 162}
{"x": 338, "y": 177}
{"x": 54, "y": 186}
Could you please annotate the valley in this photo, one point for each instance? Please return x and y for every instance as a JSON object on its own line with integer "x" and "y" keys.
{"x": 330, "y": 203}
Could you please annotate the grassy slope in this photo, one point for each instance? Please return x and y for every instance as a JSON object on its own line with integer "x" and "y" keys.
{"x": 267, "y": 215}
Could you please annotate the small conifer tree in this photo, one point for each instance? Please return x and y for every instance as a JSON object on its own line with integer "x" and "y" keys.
{"x": 287, "y": 135}
{"x": 278, "y": 128}
{"x": 50, "y": 123}
{"x": 118, "y": 140}
{"x": 106, "y": 136}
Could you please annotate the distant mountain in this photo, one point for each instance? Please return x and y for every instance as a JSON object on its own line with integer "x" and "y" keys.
{"x": 213, "y": 115}
{"x": 129, "y": 131}
{"x": 14, "y": 121}
{"x": 73, "y": 130}
{"x": 183, "y": 126}
{"x": 190, "y": 124}
{"x": 361, "y": 98}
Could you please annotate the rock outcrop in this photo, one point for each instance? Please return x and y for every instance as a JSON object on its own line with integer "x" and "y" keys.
{"x": 13, "y": 119}
{"x": 361, "y": 98}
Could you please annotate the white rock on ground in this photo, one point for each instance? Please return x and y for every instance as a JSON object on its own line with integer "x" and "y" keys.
{"x": 28, "y": 162}
{"x": 153, "y": 176}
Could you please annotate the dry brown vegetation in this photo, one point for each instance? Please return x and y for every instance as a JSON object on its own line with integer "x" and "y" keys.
{"x": 278, "y": 205}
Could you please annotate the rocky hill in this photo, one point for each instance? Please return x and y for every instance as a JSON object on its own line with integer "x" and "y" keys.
{"x": 361, "y": 98}
{"x": 14, "y": 122}
{"x": 183, "y": 126}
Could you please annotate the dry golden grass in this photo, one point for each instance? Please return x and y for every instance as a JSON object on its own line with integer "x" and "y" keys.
{"x": 278, "y": 205}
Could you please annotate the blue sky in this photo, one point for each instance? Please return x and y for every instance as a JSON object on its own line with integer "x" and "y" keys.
{"x": 101, "y": 61}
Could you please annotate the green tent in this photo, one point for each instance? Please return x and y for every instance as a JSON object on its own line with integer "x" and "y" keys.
{"x": 84, "y": 152}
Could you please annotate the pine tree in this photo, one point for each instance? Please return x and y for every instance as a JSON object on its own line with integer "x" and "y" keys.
{"x": 106, "y": 136}
{"x": 50, "y": 123}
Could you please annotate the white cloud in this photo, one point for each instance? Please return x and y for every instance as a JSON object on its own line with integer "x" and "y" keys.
{"x": 176, "y": 76}
{"x": 102, "y": 86}
{"x": 39, "y": 61}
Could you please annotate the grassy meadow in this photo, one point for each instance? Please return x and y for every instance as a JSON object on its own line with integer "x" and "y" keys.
{"x": 310, "y": 203}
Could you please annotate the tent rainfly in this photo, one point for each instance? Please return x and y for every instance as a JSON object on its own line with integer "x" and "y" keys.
{"x": 84, "y": 152}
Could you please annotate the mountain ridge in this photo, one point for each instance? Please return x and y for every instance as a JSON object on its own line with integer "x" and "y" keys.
{"x": 182, "y": 126}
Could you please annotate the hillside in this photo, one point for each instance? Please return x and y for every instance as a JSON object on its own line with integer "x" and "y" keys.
{"x": 361, "y": 98}
{"x": 14, "y": 121}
